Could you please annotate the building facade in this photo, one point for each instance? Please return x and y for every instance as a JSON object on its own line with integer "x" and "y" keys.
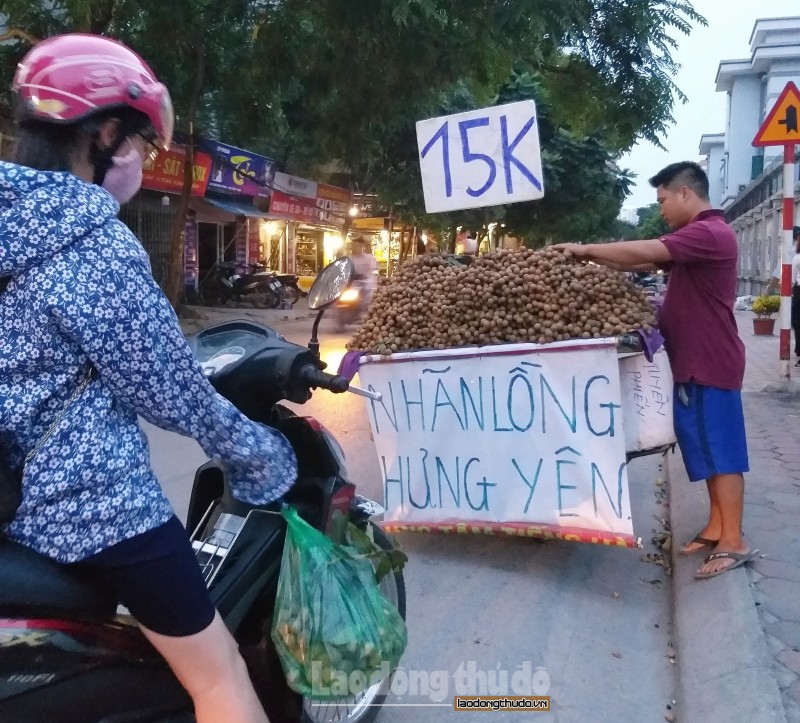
{"x": 746, "y": 182}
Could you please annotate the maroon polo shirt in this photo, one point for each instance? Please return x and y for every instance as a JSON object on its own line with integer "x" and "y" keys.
{"x": 697, "y": 319}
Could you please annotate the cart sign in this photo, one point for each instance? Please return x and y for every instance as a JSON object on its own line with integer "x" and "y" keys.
{"x": 646, "y": 401}
{"x": 521, "y": 439}
{"x": 485, "y": 157}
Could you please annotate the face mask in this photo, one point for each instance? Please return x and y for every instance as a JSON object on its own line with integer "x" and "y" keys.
{"x": 124, "y": 178}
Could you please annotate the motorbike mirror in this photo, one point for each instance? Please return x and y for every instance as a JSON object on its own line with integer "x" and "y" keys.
{"x": 330, "y": 284}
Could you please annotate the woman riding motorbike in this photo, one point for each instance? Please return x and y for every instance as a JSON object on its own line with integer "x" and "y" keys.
{"x": 88, "y": 342}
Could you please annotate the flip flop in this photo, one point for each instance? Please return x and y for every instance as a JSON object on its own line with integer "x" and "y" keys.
{"x": 739, "y": 558}
{"x": 704, "y": 542}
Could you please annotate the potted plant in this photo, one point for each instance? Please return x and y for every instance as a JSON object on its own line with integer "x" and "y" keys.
{"x": 764, "y": 307}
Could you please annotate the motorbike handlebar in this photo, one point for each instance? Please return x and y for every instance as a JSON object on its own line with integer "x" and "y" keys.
{"x": 317, "y": 378}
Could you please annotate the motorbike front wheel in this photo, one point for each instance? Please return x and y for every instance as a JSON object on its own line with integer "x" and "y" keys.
{"x": 364, "y": 707}
{"x": 291, "y": 294}
{"x": 211, "y": 293}
{"x": 266, "y": 299}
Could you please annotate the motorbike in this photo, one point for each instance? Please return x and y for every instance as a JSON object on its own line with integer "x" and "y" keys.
{"x": 353, "y": 303}
{"x": 290, "y": 290}
{"x": 651, "y": 284}
{"x": 224, "y": 283}
{"x": 66, "y": 657}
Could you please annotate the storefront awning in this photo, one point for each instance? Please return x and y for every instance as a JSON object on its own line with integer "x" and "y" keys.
{"x": 237, "y": 206}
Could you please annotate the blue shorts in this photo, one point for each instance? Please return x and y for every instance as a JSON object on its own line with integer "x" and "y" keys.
{"x": 156, "y": 576}
{"x": 709, "y": 425}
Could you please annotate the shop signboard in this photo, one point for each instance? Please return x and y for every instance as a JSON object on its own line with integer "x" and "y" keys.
{"x": 165, "y": 172}
{"x": 520, "y": 439}
{"x": 294, "y": 186}
{"x": 238, "y": 171}
{"x": 293, "y": 208}
{"x": 299, "y": 199}
{"x": 334, "y": 203}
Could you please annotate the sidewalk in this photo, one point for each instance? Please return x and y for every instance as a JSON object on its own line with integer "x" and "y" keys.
{"x": 738, "y": 635}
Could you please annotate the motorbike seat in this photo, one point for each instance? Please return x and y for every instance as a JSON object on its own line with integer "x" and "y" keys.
{"x": 31, "y": 583}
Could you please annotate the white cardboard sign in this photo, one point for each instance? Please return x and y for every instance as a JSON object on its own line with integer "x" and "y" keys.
{"x": 647, "y": 401}
{"x": 515, "y": 434}
{"x": 486, "y": 157}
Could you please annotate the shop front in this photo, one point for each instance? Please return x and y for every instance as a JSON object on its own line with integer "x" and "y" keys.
{"x": 223, "y": 222}
{"x": 242, "y": 211}
{"x": 391, "y": 243}
{"x": 229, "y": 229}
{"x": 314, "y": 214}
{"x": 226, "y": 210}
{"x": 150, "y": 215}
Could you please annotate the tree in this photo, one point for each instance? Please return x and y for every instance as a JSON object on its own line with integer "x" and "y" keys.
{"x": 198, "y": 48}
{"x": 288, "y": 78}
{"x": 602, "y": 68}
{"x": 623, "y": 231}
{"x": 651, "y": 224}
{"x": 192, "y": 45}
{"x": 28, "y": 21}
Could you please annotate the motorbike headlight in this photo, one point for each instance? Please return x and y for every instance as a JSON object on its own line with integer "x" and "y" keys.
{"x": 350, "y": 295}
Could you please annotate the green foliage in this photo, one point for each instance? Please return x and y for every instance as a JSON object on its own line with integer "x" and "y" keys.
{"x": 629, "y": 43}
{"x": 339, "y": 84}
{"x": 651, "y": 224}
{"x": 624, "y": 231}
{"x": 766, "y": 306}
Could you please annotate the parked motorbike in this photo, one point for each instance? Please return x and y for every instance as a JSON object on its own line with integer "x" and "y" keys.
{"x": 66, "y": 658}
{"x": 223, "y": 283}
{"x": 290, "y": 290}
{"x": 651, "y": 284}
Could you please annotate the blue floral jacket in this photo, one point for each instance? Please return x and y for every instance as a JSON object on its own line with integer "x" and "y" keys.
{"x": 82, "y": 296}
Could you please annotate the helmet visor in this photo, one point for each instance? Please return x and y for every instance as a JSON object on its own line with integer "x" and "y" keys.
{"x": 167, "y": 118}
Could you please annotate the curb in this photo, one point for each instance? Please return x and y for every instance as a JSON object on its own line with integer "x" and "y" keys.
{"x": 724, "y": 668}
{"x": 789, "y": 386}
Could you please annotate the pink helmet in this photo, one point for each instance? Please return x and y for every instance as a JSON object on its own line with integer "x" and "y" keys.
{"x": 67, "y": 78}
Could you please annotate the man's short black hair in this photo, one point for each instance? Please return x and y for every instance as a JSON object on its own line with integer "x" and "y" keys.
{"x": 684, "y": 173}
{"x": 795, "y": 231}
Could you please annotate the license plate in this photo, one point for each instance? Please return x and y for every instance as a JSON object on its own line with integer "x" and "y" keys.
{"x": 274, "y": 286}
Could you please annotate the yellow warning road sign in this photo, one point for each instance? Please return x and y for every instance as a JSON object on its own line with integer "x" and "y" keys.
{"x": 782, "y": 125}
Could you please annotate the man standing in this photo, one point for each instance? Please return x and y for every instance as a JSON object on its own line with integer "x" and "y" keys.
{"x": 795, "y": 318}
{"x": 704, "y": 349}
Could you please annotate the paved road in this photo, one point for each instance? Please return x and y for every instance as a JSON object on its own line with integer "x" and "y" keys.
{"x": 596, "y": 619}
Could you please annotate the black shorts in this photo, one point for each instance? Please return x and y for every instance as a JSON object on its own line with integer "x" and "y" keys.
{"x": 156, "y": 576}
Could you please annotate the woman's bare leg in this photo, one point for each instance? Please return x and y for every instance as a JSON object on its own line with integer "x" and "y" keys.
{"x": 209, "y": 666}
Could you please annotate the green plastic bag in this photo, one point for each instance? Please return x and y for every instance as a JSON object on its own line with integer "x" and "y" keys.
{"x": 334, "y": 631}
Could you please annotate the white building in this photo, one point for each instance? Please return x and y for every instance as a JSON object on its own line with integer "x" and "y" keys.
{"x": 753, "y": 85}
{"x": 747, "y": 182}
{"x": 712, "y": 146}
